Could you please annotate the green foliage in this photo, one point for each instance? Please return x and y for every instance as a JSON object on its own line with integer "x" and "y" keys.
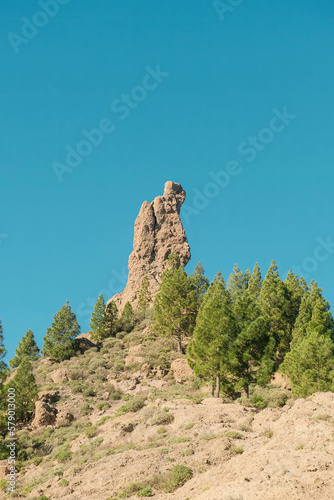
{"x": 254, "y": 346}
{"x": 59, "y": 339}
{"x": 145, "y": 296}
{"x": 110, "y": 320}
{"x": 210, "y": 352}
{"x": 274, "y": 302}
{"x": 63, "y": 456}
{"x": 97, "y": 322}
{"x": 163, "y": 418}
{"x": 133, "y": 405}
{"x": 91, "y": 431}
{"x": 175, "y": 304}
{"x": 180, "y": 474}
{"x": 145, "y": 492}
{"x": 26, "y": 391}
{"x": 199, "y": 282}
{"x": 3, "y": 367}
{"x": 237, "y": 282}
{"x": 26, "y": 348}
{"x": 310, "y": 362}
{"x": 127, "y": 318}
{"x": 236, "y": 450}
{"x": 255, "y": 283}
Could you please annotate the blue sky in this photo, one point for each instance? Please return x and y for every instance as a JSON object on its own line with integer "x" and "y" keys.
{"x": 224, "y": 76}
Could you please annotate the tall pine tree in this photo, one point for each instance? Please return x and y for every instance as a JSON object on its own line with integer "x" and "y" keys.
{"x": 26, "y": 348}
{"x": 97, "y": 320}
{"x": 200, "y": 283}
{"x": 110, "y": 320}
{"x": 26, "y": 390}
{"x": 255, "y": 282}
{"x": 254, "y": 346}
{"x": 145, "y": 296}
{"x": 274, "y": 301}
{"x": 209, "y": 354}
{"x": 310, "y": 362}
{"x": 175, "y": 304}
{"x": 59, "y": 339}
{"x": 127, "y": 318}
{"x": 237, "y": 282}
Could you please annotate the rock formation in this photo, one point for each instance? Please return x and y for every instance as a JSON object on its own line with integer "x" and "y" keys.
{"x": 158, "y": 232}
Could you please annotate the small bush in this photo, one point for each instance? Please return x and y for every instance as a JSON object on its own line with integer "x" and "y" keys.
{"x": 324, "y": 417}
{"x": 179, "y": 475}
{"x": 64, "y": 482}
{"x": 163, "y": 418}
{"x": 91, "y": 431}
{"x": 89, "y": 393}
{"x": 235, "y": 450}
{"x": 133, "y": 405}
{"x": 145, "y": 492}
{"x": 115, "y": 396}
{"x": 234, "y": 435}
{"x": 63, "y": 456}
{"x": 3, "y": 484}
{"x": 103, "y": 406}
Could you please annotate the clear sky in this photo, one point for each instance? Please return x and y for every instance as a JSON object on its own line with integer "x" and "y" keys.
{"x": 180, "y": 90}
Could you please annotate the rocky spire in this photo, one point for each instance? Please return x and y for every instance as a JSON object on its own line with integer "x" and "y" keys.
{"x": 158, "y": 232}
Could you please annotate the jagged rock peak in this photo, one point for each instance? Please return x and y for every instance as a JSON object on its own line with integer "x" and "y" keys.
{"x": 158, "y": 232}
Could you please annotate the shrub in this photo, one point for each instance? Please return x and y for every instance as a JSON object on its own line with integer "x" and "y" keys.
{"x": 234, "y": 435}
{"x": 88, "y": 393}
{"x": 324, "y": 417}
{"x": 163, "y": 419}
{"x": 64, "y": 482}
{"x": 91, "y": 431}
{"x": 179, "y": 475}
{"x": 63, "y": 456}
{"x": 133, "y": 405}
{"x": 145, "y": 492}
{"x": 102, "y": 406}
{"x": 3, "y": 484}
{"x": 114, "y": 396}
{"x": 236, "y": 450}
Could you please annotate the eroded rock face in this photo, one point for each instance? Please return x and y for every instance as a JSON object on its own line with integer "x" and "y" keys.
{"x": 158, "y": 232}
{"x": 44, "y": 415}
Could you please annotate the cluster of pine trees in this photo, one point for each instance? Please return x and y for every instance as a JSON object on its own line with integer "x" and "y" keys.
{"x": 238, "y": 334}
{"x": 234, "y": 334}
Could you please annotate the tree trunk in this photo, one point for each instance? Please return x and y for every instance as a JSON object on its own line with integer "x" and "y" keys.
{"x": 179, "y": 345}
{"x": 245, "y": 391}
{"x": 217, "y": 385}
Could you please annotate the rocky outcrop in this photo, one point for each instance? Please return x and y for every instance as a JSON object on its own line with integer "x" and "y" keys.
{"x": 181, "y": 370}
{"x": 45, "y": 415}
{"x": 158, "y": 232}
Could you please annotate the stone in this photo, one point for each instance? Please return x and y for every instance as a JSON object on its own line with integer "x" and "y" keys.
{"x": 4, "y": 469}
{"x": 59, "y": 376}
{"x": 181, "y": 370}
{"x": 64, "y": 418}
{"x": 83, "y": 342}
{"x": 49, "y": 396}
{"x": 44, "y": 415}
{"x": 158, "y": 232}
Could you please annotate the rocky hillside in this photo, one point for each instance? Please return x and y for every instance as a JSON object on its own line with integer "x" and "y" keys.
{"x": 127, "y": 419}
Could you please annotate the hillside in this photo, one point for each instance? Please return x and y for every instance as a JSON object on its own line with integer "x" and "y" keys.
{"x": 132, "y": 423}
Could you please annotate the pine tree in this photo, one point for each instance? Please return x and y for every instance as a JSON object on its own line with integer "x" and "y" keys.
{"x": 97, "y": 321}
{"x": 310, "y": 362}
{"x": 296, "y": 288}
{"x": 237, "y": 282}
{"x": 274, "y": 301}
{"x": 3, "y": 366}
{"x": 255, "y": 282}
{"x": 254, "y": 345}
{"x": 145, "y": 296}
{"x": 175, "y": 304}
{"x": 200, "y": 283}
{"x": 26, "y": 390}
{"x": 209, "y": 354}
{"x": 110, "y": 320}
{"x": 26, "y": 348}
{"x": 59, "y": 339}
{"x": 127, "y": 318}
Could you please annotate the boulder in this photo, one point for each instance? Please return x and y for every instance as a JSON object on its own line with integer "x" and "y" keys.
{"x": 64, "y": 418}
{"x": 59, "y": 376}
{"x": 181, "y": 370}
{"x": 158, "y": 232}
{"x": 45, "y": 415}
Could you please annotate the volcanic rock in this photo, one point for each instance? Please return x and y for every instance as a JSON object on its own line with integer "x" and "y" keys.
{"x": 158, "y": 232}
